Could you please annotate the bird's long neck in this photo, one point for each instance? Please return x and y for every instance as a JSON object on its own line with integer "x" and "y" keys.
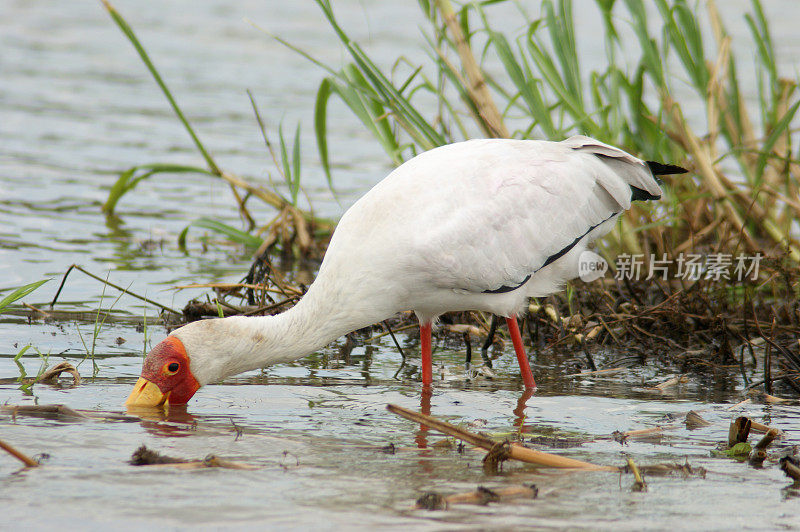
{"x": 237, "y": 344}
{"x": 308, "y": 326}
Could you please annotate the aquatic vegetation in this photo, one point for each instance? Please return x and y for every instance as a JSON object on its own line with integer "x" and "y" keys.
{"x": 532, "y": 83}
{"x": 296, "y": 226}
{"x": 99, "y": 322}
{"x": 738, "y": 203}
{"x": 26, "y": 384}
{"x": 20, "y": 292}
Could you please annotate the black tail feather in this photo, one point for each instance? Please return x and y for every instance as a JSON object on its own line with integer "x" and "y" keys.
{"x": 665, "y": 169}
{"x": 638, "y": 194}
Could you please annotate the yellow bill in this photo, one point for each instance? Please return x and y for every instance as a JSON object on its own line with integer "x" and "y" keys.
{"x": 145, "y": 393}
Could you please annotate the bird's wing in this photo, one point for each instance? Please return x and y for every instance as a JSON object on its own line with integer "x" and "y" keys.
{"x": 498, "y": 211}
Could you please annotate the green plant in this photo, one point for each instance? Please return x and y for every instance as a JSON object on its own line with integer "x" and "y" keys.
{"x": 231, "y": 233}
{"x": 98, "y": 325}
{"x": 16, "y": 295}
{"x": 22, "y": 372}
{"x": 27, "y": 387}
{"x": 545, "y": 90}
{"x": 20, "y": 292}
{"x": 299, "y": 224}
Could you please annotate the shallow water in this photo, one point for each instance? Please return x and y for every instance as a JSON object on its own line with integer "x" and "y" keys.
{"x": 77, "y": 106}
{"x": 337, "y": 474}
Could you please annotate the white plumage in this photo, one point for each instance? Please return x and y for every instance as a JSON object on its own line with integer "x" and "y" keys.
{"x": 466, "y": 218}
{"x": 476, "y": 225}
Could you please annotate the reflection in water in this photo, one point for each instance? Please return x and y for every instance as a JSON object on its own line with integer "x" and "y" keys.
{"x": 421, "y": 438}
{"x": 172, "y": 421}
{"x": 519, "y": 411}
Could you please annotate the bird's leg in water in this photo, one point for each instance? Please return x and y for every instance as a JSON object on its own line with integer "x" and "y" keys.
{"x": 427, "y": 357}
{"x": 468, "y": 360}
{"x": 522, "y": 357}
{"x": 488, "y": 343}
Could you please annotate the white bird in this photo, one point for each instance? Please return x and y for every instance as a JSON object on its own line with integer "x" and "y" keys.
{"x": 477, "y": 225}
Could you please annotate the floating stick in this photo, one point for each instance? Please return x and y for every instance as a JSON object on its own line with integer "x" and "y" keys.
{"x": 27, "y": 460}
{"x": 515, "y": 451}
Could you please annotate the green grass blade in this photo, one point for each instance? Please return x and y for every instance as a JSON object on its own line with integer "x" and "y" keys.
{"x": 21, "y": 352}
{"x": 320, "y": 127}
{"x": 760, "y": 30}
{"x": 389, "y": 96}
{"x": 295, "y": 181}
{"x": 20, "y": 367}
{"x": 777, "y": 131}
{"x": 651, "y": 57}
{"x": 20, "y": 292}
{"x": 126, "y": 29}
{"x": 562, "y": 36}
{"x": 526, "y": 87}
{"x": 686, "y": 40}
{"x": 130, "y": 178}
{"x": 231, "y": 233}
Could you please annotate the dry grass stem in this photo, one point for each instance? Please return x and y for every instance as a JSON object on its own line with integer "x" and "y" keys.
{"x": 639, "y": 484}
{"x": 514, "y": 450}
{"x": 477, "y": 88}
{"x": 28, "y": 461}
{"x": 51, "y": 374}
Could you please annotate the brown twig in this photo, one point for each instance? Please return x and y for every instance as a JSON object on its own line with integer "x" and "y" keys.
{"x": 790, "y": 467}
{"x": 755, "y": 426}
{"x": 53, "y": 373}
{"x": 41, "y": 410}
{"x": 146, "y": 457}
{"x": 739, "y": 430}
{"x": 622, "y": 437}
{"x": 37, "y": 310}
{"x": 27, "y": 460}
{"x": 112, "y": 285}
{"x": 515, "y": 451}
{"x": 477, "y": 89}
{"x": 759, "y": 452}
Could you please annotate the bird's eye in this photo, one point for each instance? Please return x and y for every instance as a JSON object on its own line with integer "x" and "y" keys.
{"x": 173, "y": 367}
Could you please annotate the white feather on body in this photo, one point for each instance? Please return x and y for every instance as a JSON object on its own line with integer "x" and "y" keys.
{"x": 434, "y": 236}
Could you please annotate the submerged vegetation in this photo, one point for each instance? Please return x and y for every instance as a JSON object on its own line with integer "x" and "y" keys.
{"x": 292, "y": 227}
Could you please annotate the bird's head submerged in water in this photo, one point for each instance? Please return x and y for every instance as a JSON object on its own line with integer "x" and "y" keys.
{"x": 166, "y": 376}
{"x": 207, "y": 351}
{"x": 183, "y": 362}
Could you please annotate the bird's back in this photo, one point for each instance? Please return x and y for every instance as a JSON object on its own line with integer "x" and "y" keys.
{"x": 482, "y": 216}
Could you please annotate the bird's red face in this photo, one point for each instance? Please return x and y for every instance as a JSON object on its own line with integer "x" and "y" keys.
{"x": 166, "y": 377}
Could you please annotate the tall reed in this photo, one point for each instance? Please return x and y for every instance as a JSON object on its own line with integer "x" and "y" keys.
{"x": 742, "y": 193}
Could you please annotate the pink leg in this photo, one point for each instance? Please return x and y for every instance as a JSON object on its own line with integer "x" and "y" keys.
{"x": 427, "y": 358}
{"x": 522, "y": 358}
